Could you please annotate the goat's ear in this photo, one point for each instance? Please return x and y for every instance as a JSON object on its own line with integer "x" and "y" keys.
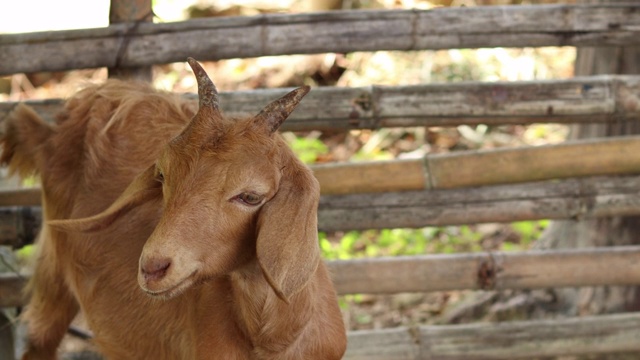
{"x": 23, "y": 136}
{"x": 143, "y": 188}
{"x": 287, "y": 245}
{"x": 274, "y": 114}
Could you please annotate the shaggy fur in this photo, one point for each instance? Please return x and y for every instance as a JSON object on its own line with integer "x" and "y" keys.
{"x": 188, "y": 239}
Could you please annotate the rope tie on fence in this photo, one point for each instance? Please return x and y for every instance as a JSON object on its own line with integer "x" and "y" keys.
{"x": 125, "y": 39}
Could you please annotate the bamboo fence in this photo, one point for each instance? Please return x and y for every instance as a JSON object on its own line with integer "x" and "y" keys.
{"x": 435, "y": 190}
{"x": 506, "y": 340}
{"x": 472, "y": 271}
{"x": 465, "y": 169}
{"x": 574, "y": 198}
{"x": 610, "y": 156}
{"x": 607, "y": 98}
{"x": 592, "y": 335}
{"x": 142, "y": 44}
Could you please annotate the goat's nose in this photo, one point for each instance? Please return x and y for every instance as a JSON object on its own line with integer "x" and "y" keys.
{"x": 155, "y": 269}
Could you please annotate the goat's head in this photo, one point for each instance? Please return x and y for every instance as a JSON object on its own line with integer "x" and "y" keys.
{"x": 232, "y": 191}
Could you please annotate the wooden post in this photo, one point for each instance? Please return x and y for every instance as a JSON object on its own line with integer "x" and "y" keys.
{"x": 613, "y": 231}
{"x": 133, "y": 12}
{"x": 6, "y": 338}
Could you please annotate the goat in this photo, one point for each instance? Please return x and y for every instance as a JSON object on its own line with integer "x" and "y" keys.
{"x": 179, "y": 233}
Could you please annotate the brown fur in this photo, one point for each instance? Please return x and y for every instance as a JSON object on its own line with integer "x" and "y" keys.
{"x": 243, "y": 281}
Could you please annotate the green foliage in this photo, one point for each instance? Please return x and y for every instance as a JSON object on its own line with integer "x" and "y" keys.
{"x": 373, "y": 154}
{"x": 396, "y": 242}
{"x": 307, "y": 149}
{"x": 428, "y": 240}
{"x": 30, "y": 182}
{"x": 529, "y": 231}
{"x": 25, "y": 253}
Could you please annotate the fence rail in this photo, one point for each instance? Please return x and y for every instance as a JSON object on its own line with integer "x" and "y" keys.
{"x": 342, "y": 31}
{"x": 505, "y": 340}
{"x": 591, "y": 335}
{"x": 610, "y": 99}
{"x": 472, "y": 271}
{"x": 574, "y": 198}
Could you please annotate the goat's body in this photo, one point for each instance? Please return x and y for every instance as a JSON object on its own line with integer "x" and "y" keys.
{"x": 105, "y": 137}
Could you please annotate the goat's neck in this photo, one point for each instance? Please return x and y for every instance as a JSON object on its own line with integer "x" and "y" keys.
{"x": 266, "y": 319}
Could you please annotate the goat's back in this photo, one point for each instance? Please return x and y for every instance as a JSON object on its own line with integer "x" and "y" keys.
{"x": 103, "y": 138}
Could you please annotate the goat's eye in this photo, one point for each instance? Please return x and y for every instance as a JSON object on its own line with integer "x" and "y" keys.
{"x": 250, "y": 198}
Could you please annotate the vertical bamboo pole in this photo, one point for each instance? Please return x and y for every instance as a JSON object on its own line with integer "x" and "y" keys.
{"x": 131, "y": 11}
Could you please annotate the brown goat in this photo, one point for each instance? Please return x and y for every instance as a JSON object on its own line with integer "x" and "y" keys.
{"x": 192, "y": 236}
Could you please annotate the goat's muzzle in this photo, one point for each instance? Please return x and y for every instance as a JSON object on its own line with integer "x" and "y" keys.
{"x": 154, "y": 269}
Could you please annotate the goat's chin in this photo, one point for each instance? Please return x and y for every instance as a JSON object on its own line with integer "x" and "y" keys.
{"x": 172, "y": 290}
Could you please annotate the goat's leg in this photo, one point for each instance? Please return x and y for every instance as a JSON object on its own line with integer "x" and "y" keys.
{"x": 50, "y": 310}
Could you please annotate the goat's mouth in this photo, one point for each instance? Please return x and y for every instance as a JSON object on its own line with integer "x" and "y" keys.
{"x": 174, "y": 290}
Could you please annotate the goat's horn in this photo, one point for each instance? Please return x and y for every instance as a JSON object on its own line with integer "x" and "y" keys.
{"x": 207, "y": 92}
{"x": 277, "y": 111}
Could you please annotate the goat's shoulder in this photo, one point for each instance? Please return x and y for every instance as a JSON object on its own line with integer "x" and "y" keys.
{"x": 108, "y": 133}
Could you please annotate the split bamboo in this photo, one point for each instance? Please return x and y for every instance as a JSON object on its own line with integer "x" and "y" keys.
{"x": 472, "y": 271}
{"x": 610, "y": 156}
{"x": 589, "y": 335}
{"x": 611, "y": 99}
{"x": 568, "y": 199}
{"x": 593, "y": 157}
{"x": 558, "y": 199}
{"x": 11, "y": 286}
{"x": 19, "y": 225}
{"x": 130, "y": 44}
{"x": 488, "y": 271}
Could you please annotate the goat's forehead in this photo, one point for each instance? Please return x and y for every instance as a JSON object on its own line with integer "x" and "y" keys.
{"x": 238, "y": 151}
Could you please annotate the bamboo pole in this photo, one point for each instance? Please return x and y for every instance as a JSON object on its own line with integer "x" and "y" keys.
{"x": 588, "y": 99}
{"x": 471, "y": 271}
{"x": 339, "y": 31}
{"x": 11, "y": 286}
{"x": 20, "y": 197}
{"x": 588, "y": 335}
{"x": 488, "y": 271}
{"x": 19, "y": 225}
{"x": 568, "y": 199}
{"x": 133, "y": 12}
{"x": 563, "y": 199}
{"x": 371, "y": 177}
{"x": 611, "y": 156}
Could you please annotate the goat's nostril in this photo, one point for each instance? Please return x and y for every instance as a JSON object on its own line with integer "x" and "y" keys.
{"x": 155, "y": 269}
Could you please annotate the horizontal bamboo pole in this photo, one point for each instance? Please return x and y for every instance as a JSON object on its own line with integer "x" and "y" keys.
{"x": 472, "y": 271}
{"x": 561, "y": 199}
{"x": 19, "y": 225}
{"x": 371, "y": 177}
{"x": 11, "y": 286}
{"x": 489, "y": 271}
{"x": 340, "y": 31}
{"x": 610, "y": 156}
{"x": 584, "y": 99}
{"x": 20, "y": 197}
{"x": 588, "y": 335}
{"x": 591, "y": 157}
{"x": 493, "y": 167}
